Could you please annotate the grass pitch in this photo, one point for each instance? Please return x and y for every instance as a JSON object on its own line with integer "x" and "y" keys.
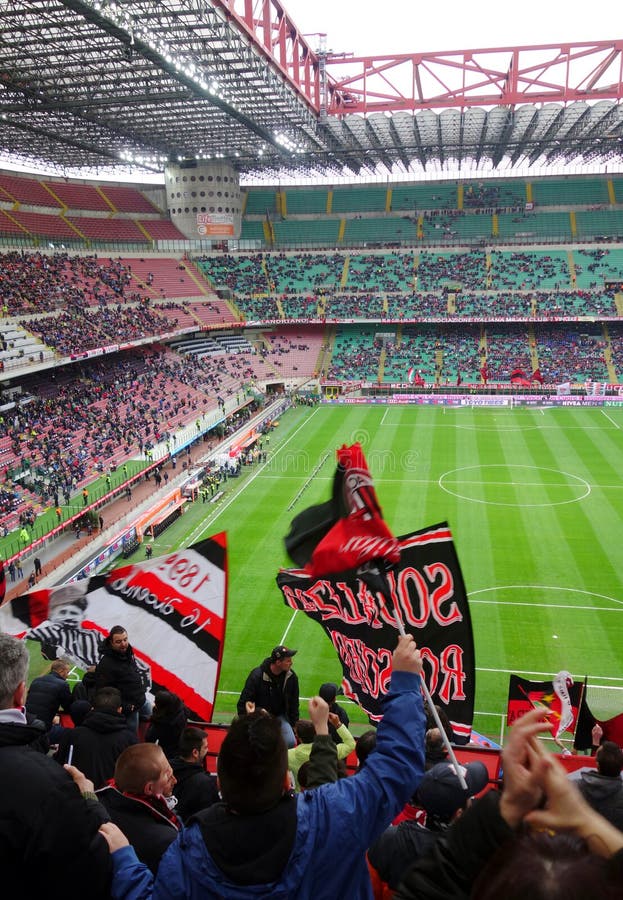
{"x": 534, "y": 500}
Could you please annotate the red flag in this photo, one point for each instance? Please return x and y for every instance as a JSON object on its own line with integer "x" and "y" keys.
{"x": 536, "y": 376}
{"x": 613, "y": 729}
{"x": 361, "y": 535}
{"x": 562, "y": 696}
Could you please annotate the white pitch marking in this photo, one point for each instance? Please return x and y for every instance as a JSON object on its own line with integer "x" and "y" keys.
{"x": 610, "y": 419}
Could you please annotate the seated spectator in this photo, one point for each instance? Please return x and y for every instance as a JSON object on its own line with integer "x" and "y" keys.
{"x": 50, "y": 693}
{"x": 328, "y": 691}
{"x": 264, "y": 841}
{"x": 99, "y": 740}
{"x": 195, "y": 788}
{"x": 305, "y": 733}
{"x": 603, "y": 789}
{"x": 137, "y": 801}
{"x": 168, "y": 721}
{"x": 441, "y": 799}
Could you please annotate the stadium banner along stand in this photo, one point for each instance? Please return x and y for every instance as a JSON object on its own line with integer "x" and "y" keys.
{"x": 173, "y": 607}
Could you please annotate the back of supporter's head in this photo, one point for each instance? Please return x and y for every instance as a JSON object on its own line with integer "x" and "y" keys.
{"x": 433, "y": 740}
{"x": 546, "y": 866}
{"x": 252, "y": 764}
{"x": 328, "y": 692}
{"x": 138, "y": 764}
{"x": 166, "y": 705}
{"x": 108, "y": 699}
{"x": 78, "y": 711}
{"x": 191, "y": 739}
{"x": 364, "y": 746}
{"x": 609, "y": 759}
{"x": 60, "y": 667}
{"x": 305, "y": 731}
{"x": 443, "y": 718}
{"x": 14, "y": 662}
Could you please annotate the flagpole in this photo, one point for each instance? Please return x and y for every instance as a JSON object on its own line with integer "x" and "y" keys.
{"x": 431, "y": 706}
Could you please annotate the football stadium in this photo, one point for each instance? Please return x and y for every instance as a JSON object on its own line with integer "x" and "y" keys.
{"x": 230, "y": 260}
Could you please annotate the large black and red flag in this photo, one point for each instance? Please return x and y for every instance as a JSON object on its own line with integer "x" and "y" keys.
{"x": 361, "y": 584}
{"x": 346, "y": 531}
{"x": 561, "y": 695}
{"x": 173, "y": 608}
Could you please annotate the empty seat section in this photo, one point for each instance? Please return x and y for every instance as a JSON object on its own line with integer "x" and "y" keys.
{"x": 259, "y": 202}
{"x": 109, "y": 230}
{"x": 128, "y": 199}
{"x": 305, "y": 202}
{"x": 26, "y": 190}
{"x": 162, "y": 230}
{"x": 306, "y": 231}
{"x": 48, "y": 225}
{"x": 359, "y": 199}
{"x": 569, "y": 191}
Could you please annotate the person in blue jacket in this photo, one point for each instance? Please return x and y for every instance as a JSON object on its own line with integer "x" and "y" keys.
{"x": 264, "y": 841}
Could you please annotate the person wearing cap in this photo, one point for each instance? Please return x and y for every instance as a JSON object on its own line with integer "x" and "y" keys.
{"x": 441, "y": 798}
{"x": 274, "y": 687}
{"x": 328, "y": 691}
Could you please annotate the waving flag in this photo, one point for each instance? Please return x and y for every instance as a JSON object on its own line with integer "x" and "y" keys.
{"x": 361, "y": 584}
{"x": 173, "y": 608}
{"x": 349, "y": 529}
{"x": 562, "y": 696}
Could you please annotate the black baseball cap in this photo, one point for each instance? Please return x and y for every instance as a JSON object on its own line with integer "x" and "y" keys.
{"x": 281, "y": 652}
{"x": 440, "y": 792}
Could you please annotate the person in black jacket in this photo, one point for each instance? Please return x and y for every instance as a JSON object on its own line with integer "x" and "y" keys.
{"x": 118, "y": 667}
{"x": 85, "y": 688}
{"x": 603, "y": 788}
{"x": 195, "y": 789}
{"x": 99, "y": 740}
{"x": 46, "y": 827}
{"x": 50, "y": 693}
{"x": 168, "y": 721}
{"x": 274, "y": 687}
{"x": 138, "y": 798}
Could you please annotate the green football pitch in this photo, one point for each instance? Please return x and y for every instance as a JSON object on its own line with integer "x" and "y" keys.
{"x": 534, "y": 500}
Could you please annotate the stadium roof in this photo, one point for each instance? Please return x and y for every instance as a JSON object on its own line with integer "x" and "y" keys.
{"x": 90, "y": 86}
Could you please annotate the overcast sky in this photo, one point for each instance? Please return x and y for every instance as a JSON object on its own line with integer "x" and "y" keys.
{"x": 403, "y": 26}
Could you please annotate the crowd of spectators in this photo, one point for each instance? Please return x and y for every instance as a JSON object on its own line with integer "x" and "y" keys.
{"x": 32, "y": 282}
{"x": 144, "y": 817}
{"x": 572, "y": 355}
{"x": 76, "y": 422}
{"x": 77, "y": 330}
